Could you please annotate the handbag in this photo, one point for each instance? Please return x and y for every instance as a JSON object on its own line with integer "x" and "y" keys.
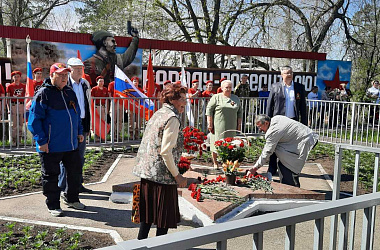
{"x": 136, "y": 204}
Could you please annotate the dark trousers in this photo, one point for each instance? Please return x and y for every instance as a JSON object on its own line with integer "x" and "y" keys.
{"x": 62, "y": 183}
{"x": 145, "y": 228}
{"x": 50, "y": 171}
{"x": 273, "y": 164}
{"x": 273, "y": 160}
{"x": 287, "y": 176}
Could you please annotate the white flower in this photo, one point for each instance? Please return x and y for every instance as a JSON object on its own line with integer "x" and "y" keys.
{"x": 236, "y": 143}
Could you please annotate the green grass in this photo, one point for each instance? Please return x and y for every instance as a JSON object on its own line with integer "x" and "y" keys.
{"x": 366, "y": 136}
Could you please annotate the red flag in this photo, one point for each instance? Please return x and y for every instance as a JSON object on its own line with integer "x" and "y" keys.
{"x": 80, "y": 57}
{"x": 99, "y": 125}
{"x": 150, "y": 86}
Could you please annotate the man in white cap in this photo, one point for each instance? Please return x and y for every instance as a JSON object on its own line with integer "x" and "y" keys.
{"x": 82, "y": 90}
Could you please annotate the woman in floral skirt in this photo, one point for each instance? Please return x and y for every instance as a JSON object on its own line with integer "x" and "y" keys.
{"x": 159, "y": 153}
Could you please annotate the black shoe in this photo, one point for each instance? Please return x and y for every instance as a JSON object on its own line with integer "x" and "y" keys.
{"x": 82, "y": 189}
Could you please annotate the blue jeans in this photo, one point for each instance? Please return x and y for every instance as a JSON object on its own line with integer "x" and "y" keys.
{"x": 62, "y": 180}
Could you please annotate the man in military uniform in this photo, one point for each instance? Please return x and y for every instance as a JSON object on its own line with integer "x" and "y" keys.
{"x": 243, "y": 90}
{"x": 103, "y": 62}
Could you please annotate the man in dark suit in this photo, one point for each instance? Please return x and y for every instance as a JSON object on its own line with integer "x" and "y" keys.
{"x": 286, "y": 98}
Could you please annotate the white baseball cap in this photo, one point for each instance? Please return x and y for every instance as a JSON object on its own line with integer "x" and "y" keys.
{"x": 74, "y": 62}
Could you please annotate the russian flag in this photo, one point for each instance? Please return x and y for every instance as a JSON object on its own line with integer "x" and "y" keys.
{"x": 29, "y": 81}
{"x": 125, "y": 88}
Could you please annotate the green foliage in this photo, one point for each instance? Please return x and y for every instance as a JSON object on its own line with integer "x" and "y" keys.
{"x": 365, "y": 56}
{"x": 366, "y": 166}
{"x": 254, "y": 150}
{"x": 112, "y": 15}
{"x": 19, "y": 172}
{"x": 322, "y": 150}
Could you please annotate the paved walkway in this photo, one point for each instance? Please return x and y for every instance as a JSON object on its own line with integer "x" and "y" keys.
{"x": 115, "y": 218}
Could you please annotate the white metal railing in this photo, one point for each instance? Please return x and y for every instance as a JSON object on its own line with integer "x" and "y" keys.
{"x": 349, "y": 219}
{"x": 256, "y": 225}
{"x": 352, "y": 123}
{"x": 121, "y": 121}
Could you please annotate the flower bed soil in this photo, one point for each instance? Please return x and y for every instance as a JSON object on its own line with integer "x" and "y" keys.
{"x": 55, "y": 238}
{"x": 94, "y": 173}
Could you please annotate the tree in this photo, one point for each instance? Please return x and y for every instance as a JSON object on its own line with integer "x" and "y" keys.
{"x": 307, "y": 26}
{"x": 312, "y": 22}
{"x": 366, "y": 55}
{"x": 23, "y": 12}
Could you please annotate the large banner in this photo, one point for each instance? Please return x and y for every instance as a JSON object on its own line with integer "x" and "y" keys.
{"x": 333, "y": 73}
{"x": 44, "y": 54}
{"x": 256, "y": 78}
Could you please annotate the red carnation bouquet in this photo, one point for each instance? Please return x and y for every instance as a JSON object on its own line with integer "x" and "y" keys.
{"x": 183, "y": 165}
{"x": 193, "y": 139}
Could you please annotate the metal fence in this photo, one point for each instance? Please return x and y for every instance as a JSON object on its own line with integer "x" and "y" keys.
{"x": 352, "y": 123}
{"x": 117, "y": 121}
{"x": 346, "y": 230}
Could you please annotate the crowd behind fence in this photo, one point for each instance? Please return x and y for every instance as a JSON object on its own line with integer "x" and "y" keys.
{"x": 116, "y": 121}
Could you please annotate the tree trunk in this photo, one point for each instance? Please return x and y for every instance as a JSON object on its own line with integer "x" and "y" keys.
{"x": 211, "y": 61}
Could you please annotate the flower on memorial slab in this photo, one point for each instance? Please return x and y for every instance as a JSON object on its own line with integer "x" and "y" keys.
{"x": 231, "y": 149}
{"x": 230, "y": 167}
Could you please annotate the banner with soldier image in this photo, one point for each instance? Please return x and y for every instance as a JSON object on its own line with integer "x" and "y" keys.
{"x": 44, "y": 54}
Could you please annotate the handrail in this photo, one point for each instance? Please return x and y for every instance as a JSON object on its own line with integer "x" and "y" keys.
{"x": 256, "y": 224}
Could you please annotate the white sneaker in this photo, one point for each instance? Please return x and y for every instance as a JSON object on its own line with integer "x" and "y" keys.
{"x": 75, "y": 205}
{"x": 56, "y": 212}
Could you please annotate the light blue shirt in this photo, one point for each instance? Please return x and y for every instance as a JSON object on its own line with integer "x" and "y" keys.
{"x": 78, "y": 89}
{"x": 289, "y": 100}
{"x": 313, "y": 96}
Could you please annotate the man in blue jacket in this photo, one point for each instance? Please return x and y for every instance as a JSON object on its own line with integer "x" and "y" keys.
{"x": 55, "y": 123}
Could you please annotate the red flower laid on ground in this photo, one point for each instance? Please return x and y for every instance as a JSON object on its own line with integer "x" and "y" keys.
{"x": 192, "y": 187}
